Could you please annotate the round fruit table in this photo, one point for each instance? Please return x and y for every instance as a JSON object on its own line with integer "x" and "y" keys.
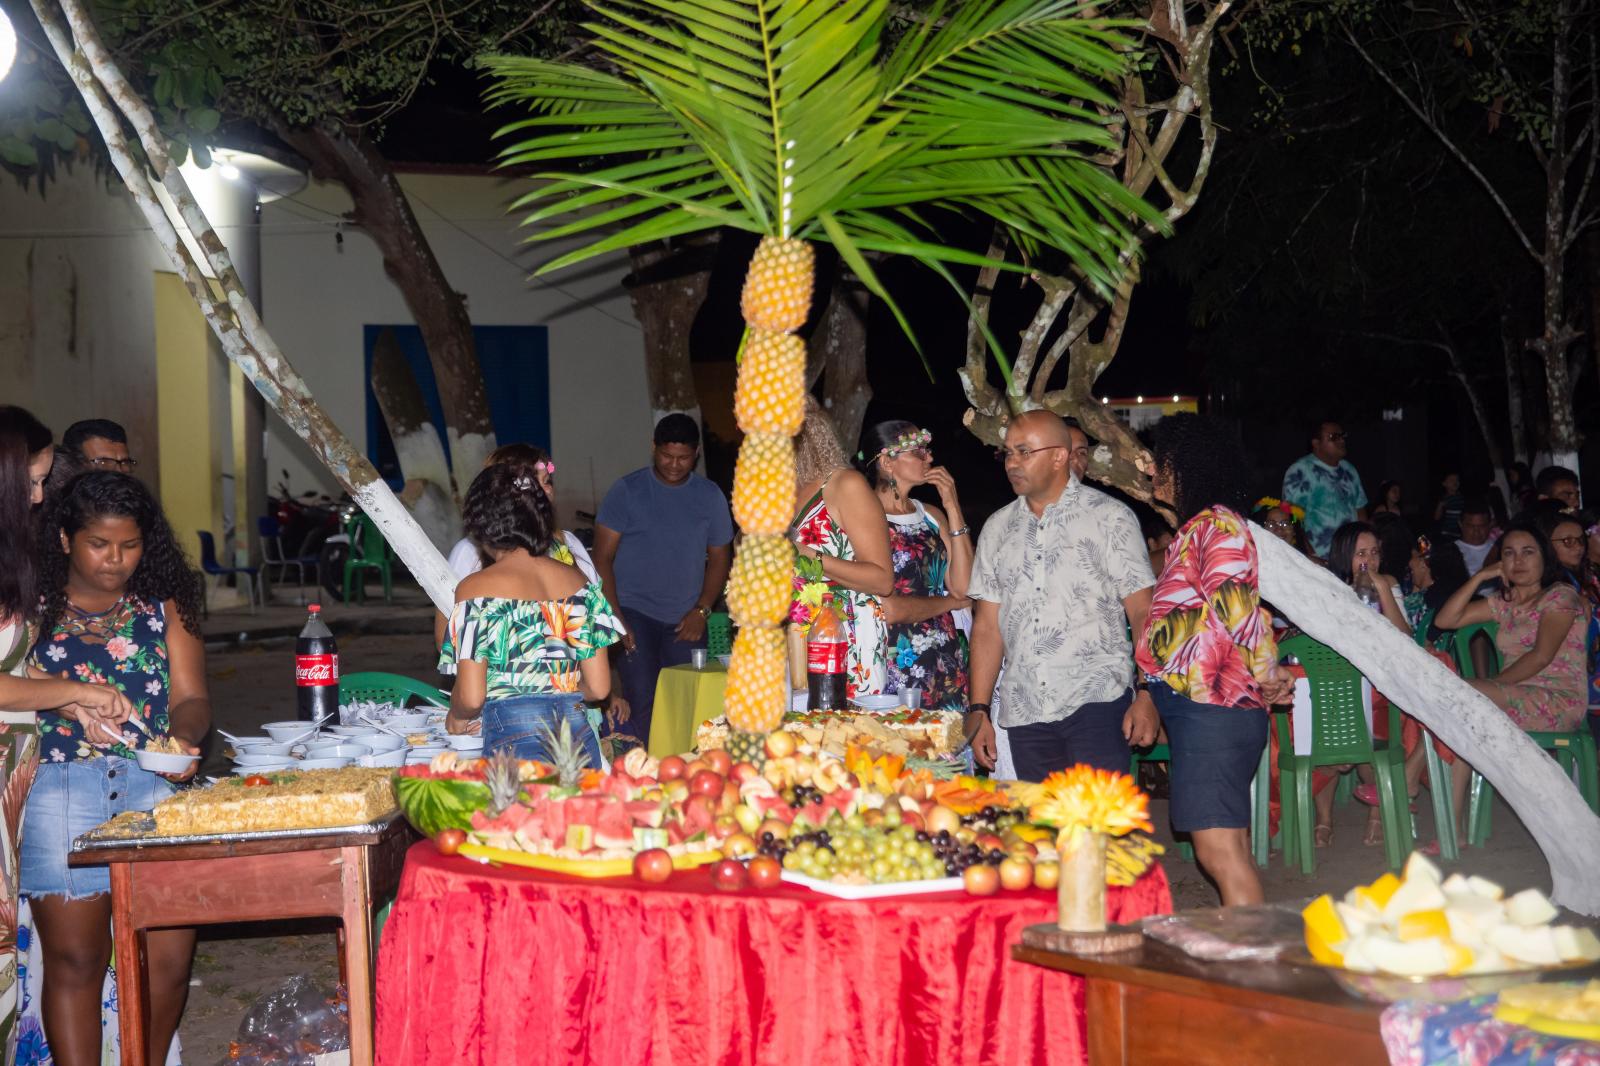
{"x": 486, "y": 965}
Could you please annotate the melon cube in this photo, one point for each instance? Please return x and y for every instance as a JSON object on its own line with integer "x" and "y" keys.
{"x": 1355, "y": 955}
{"x": 1413, "y": 958}
{"x": 1455, "y": 885}
{"x": 1533, "y": 945}
{"x": 1418, "y": 865}
{"x": 1489, "y": 960}
{"x": 1357, "y": 919}
{"x": 1485, "y": 887}
{"x": 1530, "y": 907}
{"x": 1574, "y": 943}
{"x": 1420, "y": 894}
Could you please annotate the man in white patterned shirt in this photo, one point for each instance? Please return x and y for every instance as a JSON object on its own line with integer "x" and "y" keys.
{"x": 1060, "y": 575}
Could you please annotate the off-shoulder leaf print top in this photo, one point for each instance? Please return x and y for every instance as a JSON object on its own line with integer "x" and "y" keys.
{"x": 530, "y": 647}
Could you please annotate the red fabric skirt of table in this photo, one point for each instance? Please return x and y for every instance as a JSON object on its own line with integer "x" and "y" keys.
{"x": 498, "y": 966}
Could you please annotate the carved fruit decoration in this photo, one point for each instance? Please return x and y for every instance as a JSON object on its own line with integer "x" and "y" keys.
{"x": 769, "y": 404}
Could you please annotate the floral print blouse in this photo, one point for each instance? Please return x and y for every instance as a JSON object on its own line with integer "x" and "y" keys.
{"x": 124, "y": 647}
{"x": 531, "y": 647}
{"x": 866, "y": 654}
{"x": 1553, "y": 700}
{"x": 1208, "y": 637}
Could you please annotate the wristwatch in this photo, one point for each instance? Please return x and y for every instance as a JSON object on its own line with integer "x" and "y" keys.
{"x": 977, "y": 708}
{"x": 705, "y": 612}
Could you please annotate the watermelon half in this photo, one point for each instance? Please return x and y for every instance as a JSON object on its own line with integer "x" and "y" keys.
{"x": 434, "y": 803}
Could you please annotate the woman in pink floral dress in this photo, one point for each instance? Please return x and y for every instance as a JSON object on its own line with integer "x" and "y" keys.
{"x": 1543, "y": 683}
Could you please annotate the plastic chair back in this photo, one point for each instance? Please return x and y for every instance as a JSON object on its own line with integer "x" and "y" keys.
{"x": 1461, "y": 647}
{"x": 377, "y": 687}
{"x": 1425, "y": 623}
{"x": 1338, "y": 715}
{"x": 208, "y": 553}
{"x": 719, "y": 634}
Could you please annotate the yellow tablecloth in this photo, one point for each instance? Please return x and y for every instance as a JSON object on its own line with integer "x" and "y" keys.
{"x": 685, "y": 697}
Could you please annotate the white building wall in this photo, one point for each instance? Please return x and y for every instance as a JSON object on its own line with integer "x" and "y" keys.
{"x": 318, "y": 294}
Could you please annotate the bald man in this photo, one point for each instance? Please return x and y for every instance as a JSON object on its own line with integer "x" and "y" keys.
{"x": 1061, "y": 574}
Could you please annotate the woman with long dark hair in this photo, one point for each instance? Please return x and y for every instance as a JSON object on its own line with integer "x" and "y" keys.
{"x": 528, "y": 635}
{"x": 121, "y": 610}
{"x": 1207, "y": 650}
{"x": 931, "y": 551}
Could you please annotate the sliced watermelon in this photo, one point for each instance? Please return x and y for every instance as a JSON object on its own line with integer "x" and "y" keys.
{"x": 434, "y": 803}
{"x": 646, "y": 812}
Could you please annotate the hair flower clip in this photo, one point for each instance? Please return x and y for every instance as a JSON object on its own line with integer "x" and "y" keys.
{"x": 909, "y": 442}
{"x": 522, "y": 483}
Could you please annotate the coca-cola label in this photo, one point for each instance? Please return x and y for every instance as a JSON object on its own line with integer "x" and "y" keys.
{"x": 315, "y": 670}
{"x": 825, "y": 657}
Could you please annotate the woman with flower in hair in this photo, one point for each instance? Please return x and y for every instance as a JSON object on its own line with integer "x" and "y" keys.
{"x": 931, "y": 551}
{"x": 1286, "y": 521}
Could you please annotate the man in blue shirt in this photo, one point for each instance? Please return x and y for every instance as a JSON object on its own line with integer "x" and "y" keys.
{"x": 1326, "y": 487}
{"x": 663, "y": 543}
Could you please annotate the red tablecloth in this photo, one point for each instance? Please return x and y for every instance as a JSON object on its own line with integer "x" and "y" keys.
{"x": 503, "y": 966}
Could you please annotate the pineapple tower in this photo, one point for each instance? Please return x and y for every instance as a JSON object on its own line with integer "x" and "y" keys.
{"x": 769, "y": 403}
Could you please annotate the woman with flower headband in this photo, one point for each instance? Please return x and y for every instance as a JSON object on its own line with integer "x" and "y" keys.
{"x": 840, "y": 530}
{"x": 931, "y": 552}
{"x": 1286, "y": 521}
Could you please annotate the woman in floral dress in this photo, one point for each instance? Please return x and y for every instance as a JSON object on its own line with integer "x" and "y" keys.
{"x": 527, "y": 637}
{"x": 121, "y": 612}
{"x": 931, "y": 551}
{"x": 1543, "y": 621}
{"x": 839, "y": 526}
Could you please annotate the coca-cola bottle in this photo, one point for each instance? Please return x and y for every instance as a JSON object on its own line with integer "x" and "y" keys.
{"x": 826, "y": 647}
{"x": 316, "y": 668}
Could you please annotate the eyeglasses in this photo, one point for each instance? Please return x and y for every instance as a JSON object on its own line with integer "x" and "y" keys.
{"x": 1334, "y": 438}
{"x": 106, "y": 464}
{"x": 1566, "y": 542}
{"x": 1279, "y": 526}
{"x": 1022, "y": 452}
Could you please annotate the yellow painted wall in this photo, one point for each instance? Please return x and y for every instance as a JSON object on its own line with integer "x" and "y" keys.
{"x": 188, "y": 428}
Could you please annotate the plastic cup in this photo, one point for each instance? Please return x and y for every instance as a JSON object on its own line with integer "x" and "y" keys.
{"x": 698, "y": 658}
{"x": 912, "y": 697}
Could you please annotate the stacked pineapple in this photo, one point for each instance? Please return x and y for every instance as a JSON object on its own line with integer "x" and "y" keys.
{"x": 769, "y": 403}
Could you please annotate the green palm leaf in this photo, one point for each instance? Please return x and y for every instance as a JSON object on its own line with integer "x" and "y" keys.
{"x": 786, "y": 118}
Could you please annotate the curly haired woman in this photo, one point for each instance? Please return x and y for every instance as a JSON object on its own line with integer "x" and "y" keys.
{"x": 122, "y": 613}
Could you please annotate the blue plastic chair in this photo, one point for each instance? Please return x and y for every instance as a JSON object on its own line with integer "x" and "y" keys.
{"x": 212, "y": 568}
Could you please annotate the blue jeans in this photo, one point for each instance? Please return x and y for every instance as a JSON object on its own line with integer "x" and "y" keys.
{"x": 69, "y": 799}
{"x": 1091, "y": 734}
{"x": 654, "y": 649}
{"x": 522, "y": 725}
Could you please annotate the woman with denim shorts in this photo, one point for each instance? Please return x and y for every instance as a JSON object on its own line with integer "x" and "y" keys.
{"x": 121, "y": 610}
{"x": 527, "y": 637}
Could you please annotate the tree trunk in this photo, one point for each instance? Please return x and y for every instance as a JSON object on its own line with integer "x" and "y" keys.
{"x": 838, "y": 354}
{"x": 1530, "y": 781}
{"x": 1491, "y": 440}
{"x": 384, "y": 214}
{"x": 416, "y": 444}
{"x": 221, "y": 296}
{"x": 1512, "y": 350}
{"x": 1557, "y": 335}
{"x": 667, "y": 288}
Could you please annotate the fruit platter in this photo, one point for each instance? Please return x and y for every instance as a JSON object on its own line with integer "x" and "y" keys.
{"x": 856, "y": 827}
{"x": 1423, "y": 936}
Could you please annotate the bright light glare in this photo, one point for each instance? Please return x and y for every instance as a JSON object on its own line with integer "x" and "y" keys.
{"x": 229, "y": 171}
{"x": 1175, "y": 399}
{"x": 8, "y": 45}
{"x": 1138, "y": 399}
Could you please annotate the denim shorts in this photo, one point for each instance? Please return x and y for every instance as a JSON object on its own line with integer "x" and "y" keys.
{"x": 521, "y": 725}
{"x": 1215, "y": 753}
{"x": 67, "y": 800}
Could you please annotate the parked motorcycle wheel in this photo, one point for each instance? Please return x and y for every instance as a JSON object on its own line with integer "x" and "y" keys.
{"x": 330, "y": 568}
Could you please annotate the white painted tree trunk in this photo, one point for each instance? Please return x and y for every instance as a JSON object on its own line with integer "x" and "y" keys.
{"x": 1532, "y": 783}
{"x": 232, "y": 317}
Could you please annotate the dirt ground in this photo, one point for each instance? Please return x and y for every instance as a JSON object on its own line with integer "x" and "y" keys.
{"x": 253, "y": 683}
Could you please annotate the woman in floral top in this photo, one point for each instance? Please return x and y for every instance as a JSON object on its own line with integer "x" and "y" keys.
{"x": 121, "y": 611}
{"x": 1207, "y": 650}
{"x": 528, "y": 636}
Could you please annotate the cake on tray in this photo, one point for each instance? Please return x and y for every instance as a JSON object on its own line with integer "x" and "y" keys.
{"x": 923, "y": 734}
{"x": 305, "y": 799}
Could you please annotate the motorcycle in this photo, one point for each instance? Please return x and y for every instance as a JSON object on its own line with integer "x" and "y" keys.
{"x": 312, "y": 523}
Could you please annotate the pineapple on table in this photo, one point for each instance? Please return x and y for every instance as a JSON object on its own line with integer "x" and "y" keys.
{"x": 567, "y": 754}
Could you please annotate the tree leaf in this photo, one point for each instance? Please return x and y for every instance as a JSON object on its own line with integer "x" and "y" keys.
{"x": 203, "y": 119}
{"x": 18, "y": 153}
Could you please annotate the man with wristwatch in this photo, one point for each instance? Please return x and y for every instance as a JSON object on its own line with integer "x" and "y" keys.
{"x": 1060, "y": 577}
{"x": 663, "y": 543}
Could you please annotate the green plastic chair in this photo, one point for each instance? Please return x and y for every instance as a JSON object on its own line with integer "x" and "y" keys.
{"x": 1260, "y": 785}
{"x": 719, "y": 634}
{"x": 368, "y": 551}
{"x": 1461, "y": 647}
{"x": 1339, "y": 736}
{"x": 377, "y": 687}
{"x": 1576, "y": 753}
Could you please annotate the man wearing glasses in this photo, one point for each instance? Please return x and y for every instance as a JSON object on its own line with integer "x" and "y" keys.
{"x": 102, "y": 444}
{"x": 1061, "y": 575}
{"x": 1326, "y": 487}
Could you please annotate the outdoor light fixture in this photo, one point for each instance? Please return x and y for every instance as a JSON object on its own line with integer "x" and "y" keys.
{"x": 1138, "y": 399}
{"x": 1174, "y": 399}
{"x": 8, "y": 45}
{"x": 1105, "y": 399}
{"x": 229, "y": 171}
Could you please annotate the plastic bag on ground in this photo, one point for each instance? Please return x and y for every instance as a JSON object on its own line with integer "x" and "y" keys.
{"x": 292, "y": 1025}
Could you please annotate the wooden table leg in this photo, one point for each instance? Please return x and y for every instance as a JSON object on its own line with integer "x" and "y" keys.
{"x": 1106, "y": 1009}
{"x": 358, "y": 954}
{"x": 131, "y": 984}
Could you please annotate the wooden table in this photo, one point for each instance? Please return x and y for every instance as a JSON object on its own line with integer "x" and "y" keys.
{"x": 1155, "y": 1005}
{"x": 336, "y": 875}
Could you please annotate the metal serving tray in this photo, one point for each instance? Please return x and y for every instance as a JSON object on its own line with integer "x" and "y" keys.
{"x": 94, "y": 840}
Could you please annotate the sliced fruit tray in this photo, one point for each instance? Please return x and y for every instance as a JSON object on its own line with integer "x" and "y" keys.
{"x": 577, "y": 867}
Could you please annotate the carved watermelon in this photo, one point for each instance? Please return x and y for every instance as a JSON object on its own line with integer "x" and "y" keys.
{"x": 435, "y": 803}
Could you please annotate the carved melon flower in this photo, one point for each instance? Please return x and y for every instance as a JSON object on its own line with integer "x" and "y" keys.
{"x": 1100, "y": 801}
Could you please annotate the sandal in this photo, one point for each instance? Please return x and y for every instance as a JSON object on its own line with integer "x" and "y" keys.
{"x": 1374, "y": 832}
{"x": 1368, "y": 794}
{"x": 1324, "y": 836}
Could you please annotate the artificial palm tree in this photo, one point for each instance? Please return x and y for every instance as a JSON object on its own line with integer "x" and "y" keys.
{"x": 797, "y": 120}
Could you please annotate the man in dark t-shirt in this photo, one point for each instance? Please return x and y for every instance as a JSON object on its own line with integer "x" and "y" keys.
{"x": 663, "y": 543}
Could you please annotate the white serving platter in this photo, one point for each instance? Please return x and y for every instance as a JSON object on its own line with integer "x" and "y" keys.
{"x": 894, "y": 888}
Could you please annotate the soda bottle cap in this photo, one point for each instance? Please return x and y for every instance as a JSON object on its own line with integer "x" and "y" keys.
{"x": 314, "y": 608}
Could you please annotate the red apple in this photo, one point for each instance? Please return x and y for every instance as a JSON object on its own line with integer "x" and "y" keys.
{"x": 671, "y": 768}
{"x": 739, "y": 845}
{"x": 981, "y": 879}
{"x": 654, "y": 865}
{"x": 776, "y": 826}
{"x": 718, "y": 760}
{"x": 743, "y": 771}
{"x": 724, "y": 827}
{"x": 728, "y": 875}
{"x": 986, "y": 841}
{"x": 1046, "y": 875}
{"x": 942, "y": 819}
{"x": 1016, "y": 874}
{"x": 765, "y": 872}
{"x": 676, "y": 790}
{"x": 913, "y": 819}
{"x": 694, "y": 767}
{"x": 707, "y": 783}
{"x": 449, "y": 841}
